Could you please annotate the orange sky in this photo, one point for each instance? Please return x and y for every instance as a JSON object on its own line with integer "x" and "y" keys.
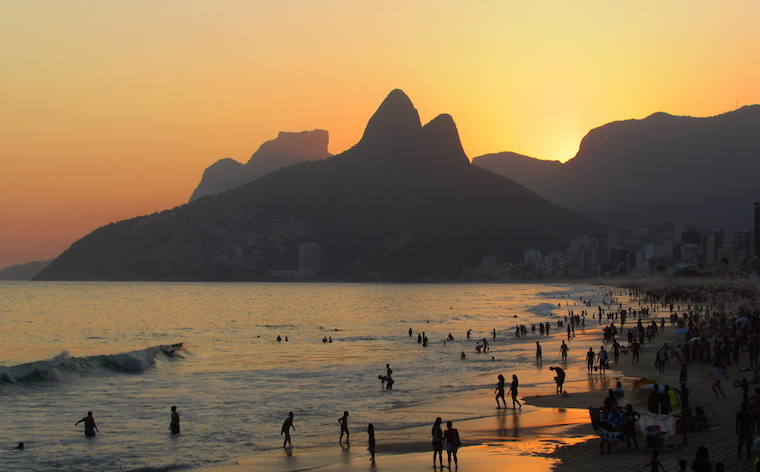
{"x": 112, "y": 110}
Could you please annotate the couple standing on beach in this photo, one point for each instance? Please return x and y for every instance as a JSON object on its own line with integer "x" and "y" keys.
{"x": 450, "y": 437}
{"x": 512, "y": 390}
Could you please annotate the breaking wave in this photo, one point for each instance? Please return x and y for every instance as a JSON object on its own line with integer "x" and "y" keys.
{"x": 64, "y": 364}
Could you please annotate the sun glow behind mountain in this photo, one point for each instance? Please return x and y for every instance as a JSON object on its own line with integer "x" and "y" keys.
{"x": 113, "y": 110}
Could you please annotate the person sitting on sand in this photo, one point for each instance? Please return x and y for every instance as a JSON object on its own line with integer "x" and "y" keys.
{"x": 619, "y": 392}
{"x": 559, "y": 379}
{"x": 89, "y": 425}
{"x": 500, "y": 392}
{"x": 699, "y": 420}
{"x": 286, "y": 425}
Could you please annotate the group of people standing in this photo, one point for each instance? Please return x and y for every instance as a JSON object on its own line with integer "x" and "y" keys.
{"x": 91, "y": 428}
{"x": 512, "y": 391}
{"x": 448, "y": 439}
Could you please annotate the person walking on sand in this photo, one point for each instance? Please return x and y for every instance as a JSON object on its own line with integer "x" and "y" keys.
{"x": 563, "y": 352}
{"x": 513, "y": 391}
{"x": 451, "y": 438}
{"x": 437, "y": 433}
{"x": 500, "y": 393}
{"x": 371, "y": 440}
{"x": 559, "y": 379}
{"x": 89, "y": 425}
{"x": 343, "y": 420}
{"x": 286, "y": 425}
{"x": 174, "y": 425}
{"x": 590, "y": 358}
{"x": 718, "y": 373}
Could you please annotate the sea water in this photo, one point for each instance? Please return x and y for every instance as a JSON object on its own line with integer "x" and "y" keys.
{"x": 114, "y": 349}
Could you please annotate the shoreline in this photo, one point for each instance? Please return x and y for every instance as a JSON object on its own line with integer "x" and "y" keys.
{"x": 536, "y": 437}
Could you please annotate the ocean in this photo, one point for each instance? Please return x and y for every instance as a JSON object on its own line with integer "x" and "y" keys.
{"x": 129, "y": 351}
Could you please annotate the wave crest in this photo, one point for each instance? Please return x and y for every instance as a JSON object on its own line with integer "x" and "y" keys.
{"x": 63, "y": 364}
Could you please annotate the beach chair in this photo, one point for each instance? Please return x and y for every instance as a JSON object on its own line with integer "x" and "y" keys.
{"x": 653, "y": 436}
{"x": 702, "y": 426}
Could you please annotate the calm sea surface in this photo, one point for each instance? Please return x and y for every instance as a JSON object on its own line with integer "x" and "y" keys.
{"x": 72, "y": 347}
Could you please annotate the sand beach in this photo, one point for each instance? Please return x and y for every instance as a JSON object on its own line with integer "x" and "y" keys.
{"x": 551, "y": 431}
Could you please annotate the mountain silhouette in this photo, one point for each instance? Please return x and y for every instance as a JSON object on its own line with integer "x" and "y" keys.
{"x": 287, "y": 149}
{"x": 639, "y": 172}
{"x": 23, "y": 271}
{"x": 404, "y": 202}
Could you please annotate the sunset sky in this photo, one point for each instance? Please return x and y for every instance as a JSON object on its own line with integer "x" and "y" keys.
{"x": 113, "y": 109}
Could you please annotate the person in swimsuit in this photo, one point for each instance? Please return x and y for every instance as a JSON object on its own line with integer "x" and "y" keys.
{"x": 500, "y": 392}
{"x": 371, "y": 440}
{"x": 451, "y": 438}
{"x": 343, "y": 420}
{"x": 437, "y": 441}
{"x": 89, "y": 425}
{"x": 286, "y": 425}
{"x": 174, "y": 425}
{"x": 630, "y": 418}
{"x": 560, "y": 378}
{"x": 513, "y": 391}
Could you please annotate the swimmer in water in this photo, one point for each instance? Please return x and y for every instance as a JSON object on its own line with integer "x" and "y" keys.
{"x": 89, "y": 425}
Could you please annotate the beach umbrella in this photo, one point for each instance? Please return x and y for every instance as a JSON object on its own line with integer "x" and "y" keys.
{"x": 681, "y": 331}
{"x": 693, "y": 340}
{"x": 742, "y": 320}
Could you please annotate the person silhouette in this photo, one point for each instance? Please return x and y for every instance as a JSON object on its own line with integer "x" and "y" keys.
{"x": 451, "y": 438}
{"x": 437, "y": 433}
{"x": 89, "y": 425}
{"x": 513, "y": 390}
{"x": 500, "y": 392}
{"x": 286, "y": 425}
{"x": 343, "y": 420}
{"x": 371, "y": 440}
{"x": 20, "y": 446}
{"x": 174, "y": 425}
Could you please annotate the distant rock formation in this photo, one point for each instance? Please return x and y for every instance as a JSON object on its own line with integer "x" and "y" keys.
{"x": 23, "y": 271}
{"x": 402, "y": 204}
{"x": 639, "y": 172}
{"x": 285, "y": 150}
{"x": 525, "y": 170}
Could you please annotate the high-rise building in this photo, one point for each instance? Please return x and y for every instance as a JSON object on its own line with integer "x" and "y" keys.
{"x": 678, "y": 230}
{"x": 309, "y": 257}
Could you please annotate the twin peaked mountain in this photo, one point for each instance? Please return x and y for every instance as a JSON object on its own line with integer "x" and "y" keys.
{"x": 404, "y": 202}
